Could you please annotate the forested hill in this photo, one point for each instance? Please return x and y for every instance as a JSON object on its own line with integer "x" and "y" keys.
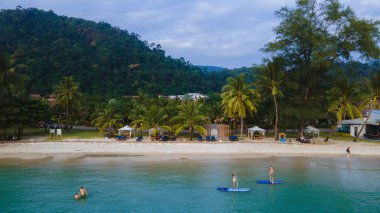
{"x": 102, "y": 58}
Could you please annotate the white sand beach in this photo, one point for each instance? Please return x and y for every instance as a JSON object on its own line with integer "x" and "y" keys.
{"x": 32, "y": 150}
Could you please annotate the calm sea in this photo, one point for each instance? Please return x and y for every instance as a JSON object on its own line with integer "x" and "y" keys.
{"x": 312, "y": 184}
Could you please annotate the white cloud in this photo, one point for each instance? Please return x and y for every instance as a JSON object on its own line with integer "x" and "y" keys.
{"x": 213, "y": 32}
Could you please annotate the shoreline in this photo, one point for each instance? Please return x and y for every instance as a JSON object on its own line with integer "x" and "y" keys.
{"x": 178, "y": 150}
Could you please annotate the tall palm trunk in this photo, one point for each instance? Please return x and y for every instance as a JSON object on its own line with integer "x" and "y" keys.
{"x": 241, "y": 126}
{"x": 191, "y": 133}
{"x": 364, "y": 124}
{"x": 330, "y": 134}
{"x": 276, "y": 121}
{"x": 67, "y": 118}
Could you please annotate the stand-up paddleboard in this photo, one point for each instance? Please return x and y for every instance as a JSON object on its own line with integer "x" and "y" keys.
{"x": 225, "y": 189}
{"x": 269, "y": 182}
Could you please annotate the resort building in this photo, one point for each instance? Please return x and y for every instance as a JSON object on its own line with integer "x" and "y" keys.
{"x": 371, "y": 130}
{"x": 191, "y": 96}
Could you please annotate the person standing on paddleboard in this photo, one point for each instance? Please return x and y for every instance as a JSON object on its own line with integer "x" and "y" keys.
{"x": 271, "y": 174}
{"x": 234, "y": 180}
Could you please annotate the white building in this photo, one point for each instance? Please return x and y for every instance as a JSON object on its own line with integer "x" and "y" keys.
{"x": 372, "y": 126}
{"x": 191, "y": 96}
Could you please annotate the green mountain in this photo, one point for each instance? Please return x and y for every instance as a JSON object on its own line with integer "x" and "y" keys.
{"x": 102, "y": 58}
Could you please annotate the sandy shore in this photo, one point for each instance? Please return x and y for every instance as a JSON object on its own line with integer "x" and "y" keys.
{"x": 34, "y": 150}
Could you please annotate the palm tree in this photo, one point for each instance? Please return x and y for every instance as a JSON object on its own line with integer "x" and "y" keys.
{"x": 10, "y": 81}
{"x": 189, "y": 117}
{"x": 67, "y": 95}
{"x": 373, "y": 85}
{"x": 238, "y": 98}
{"x": 345, "y": 92}
{"x": 270, "y": 79}
{"x": 171, "y": 110}
{"x": 153, "y": 117}
{"x": 136, "y": 112}
{"x": 107, "y": 119}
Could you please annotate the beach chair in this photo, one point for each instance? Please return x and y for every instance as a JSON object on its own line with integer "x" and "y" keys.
{"x": 200, "y": 138}
{"x": 139, "y": 138}
{"x": 210, "y": 138}
{"x": 234, "y": 138}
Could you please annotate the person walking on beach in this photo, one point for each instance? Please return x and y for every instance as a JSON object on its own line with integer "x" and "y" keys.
{"x": 348, "y": 150}
{"x": 234, "y": 180}
{"x": 271, "y": 174}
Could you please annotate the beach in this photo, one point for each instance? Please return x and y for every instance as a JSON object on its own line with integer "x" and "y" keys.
{"x": 162, "y": 150}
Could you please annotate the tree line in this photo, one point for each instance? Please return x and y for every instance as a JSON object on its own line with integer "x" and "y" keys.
{"x": 311, "y": 78}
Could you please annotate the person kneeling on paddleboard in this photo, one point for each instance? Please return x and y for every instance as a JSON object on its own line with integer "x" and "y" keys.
{"x": 271, "y": 174}
{"x": 234, "y": 180}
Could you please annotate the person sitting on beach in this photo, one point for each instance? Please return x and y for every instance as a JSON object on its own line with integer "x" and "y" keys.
{"x": 76, "y": 196}
{"x": 348, "y": 150}
{"x": 271, "y": 174}
{"x": 83, "y": 192}
{"x": 234, "y": 180}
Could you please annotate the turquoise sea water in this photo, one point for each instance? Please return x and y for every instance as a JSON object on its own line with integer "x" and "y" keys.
{"x": 312, "y": 184}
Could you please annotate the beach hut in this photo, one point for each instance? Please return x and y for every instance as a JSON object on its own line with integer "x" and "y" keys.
{"x": 126, "y": 129}
{"x": 282, "y": 136}
{"x": 218, "y": 131}
{"x": 256, "y": 133}
{"x": 312, "y": 131}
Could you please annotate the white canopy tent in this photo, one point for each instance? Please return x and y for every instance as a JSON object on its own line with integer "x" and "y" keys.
{"x": 312, "y": 130}
{"x": 253, "y": 130}
{"x": 125, "y": 129}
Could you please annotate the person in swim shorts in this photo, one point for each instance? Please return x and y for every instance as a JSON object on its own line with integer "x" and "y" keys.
{"x": 83, "y": 192}
{"x": 348, "y": 150}
{"x": 271, "y": 174}
{"x": 234, "y": 180}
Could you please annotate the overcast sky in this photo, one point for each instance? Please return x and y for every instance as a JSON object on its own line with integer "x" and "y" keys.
{"x": 227, "y": 33}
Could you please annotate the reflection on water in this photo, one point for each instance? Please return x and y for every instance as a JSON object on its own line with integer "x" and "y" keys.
{"x": 312, "y": 184}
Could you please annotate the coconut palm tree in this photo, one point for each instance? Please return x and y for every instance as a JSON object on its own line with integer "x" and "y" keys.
{"x": 373, "y": 85}
{"x": 153, "y": 117}
{"x": 189, "y": 117}
{"x": 171, "y": 110}
{"x": 238, "y": 97}
{"x": 136, "y": 112}
{"x": 345, "y": 93}
{"x": 68, "y": 95}
{"x": 270, "y": 79}
{"x": 107, "y": 119}
{"x": 10, "y": 81}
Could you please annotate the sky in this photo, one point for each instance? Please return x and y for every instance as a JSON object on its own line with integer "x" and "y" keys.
{"x": 225, "y": 33}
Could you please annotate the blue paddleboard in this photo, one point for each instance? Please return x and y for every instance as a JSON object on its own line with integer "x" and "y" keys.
{"x": 268, "y": 182}
{"x": 225, "y": 189}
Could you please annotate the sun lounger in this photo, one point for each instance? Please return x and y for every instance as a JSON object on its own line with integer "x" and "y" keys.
{"x": 210, "y": 138}
{"x": 233, "y": 138}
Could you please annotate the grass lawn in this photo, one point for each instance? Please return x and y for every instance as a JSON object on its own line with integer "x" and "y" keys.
{"x": 81, "y": 134}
